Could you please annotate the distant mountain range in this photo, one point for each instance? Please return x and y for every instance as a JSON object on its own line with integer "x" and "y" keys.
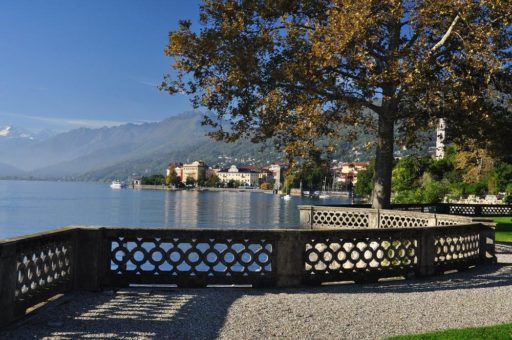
{"x": 119, "y": 152}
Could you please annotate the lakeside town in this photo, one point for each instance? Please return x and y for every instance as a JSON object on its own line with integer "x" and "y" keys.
{"x": 198, "y": 174}
{"x": 417, "y": 178}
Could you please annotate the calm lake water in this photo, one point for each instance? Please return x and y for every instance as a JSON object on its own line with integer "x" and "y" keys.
{"x": 30, "y": 206}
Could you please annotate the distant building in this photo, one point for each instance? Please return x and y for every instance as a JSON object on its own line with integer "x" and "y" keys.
{"x": 212, "y": 171}
{"x": 195, "y": 170}
{"x": 243, "y": 175}
{"x": 347, "y": 172}
{"x": 176, "y": 167}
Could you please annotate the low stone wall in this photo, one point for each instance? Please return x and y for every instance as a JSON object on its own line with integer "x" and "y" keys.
{"x": 36, "y": 267}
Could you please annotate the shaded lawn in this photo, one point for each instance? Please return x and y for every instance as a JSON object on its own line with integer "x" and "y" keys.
{"x": 503, "y": 229}
{"x": 492, "y": 332}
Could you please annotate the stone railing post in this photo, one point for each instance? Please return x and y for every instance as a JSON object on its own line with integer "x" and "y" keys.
{"x": 426, "y": 264}
{"x": 306, "y": 216}
{"x": 8, "y": 277}
{"x": 290, "y": 259}
{"x": 89, "y": 259}
{"x": 373, "y": 218}
{"x": 487, "y": 243}
{"x": 432, "y": 220}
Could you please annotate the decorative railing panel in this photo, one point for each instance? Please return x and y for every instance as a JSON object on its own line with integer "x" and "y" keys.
{"x": 34, "y": 268}
{"x": 468, "y": 210}
{"x": 190, "y": 257}
{"x": 402, "y": 219}
{"x": 42, "y": 268}
{"x": 359, "y": 256}
{"x": 497, "y": 210}
{"x": 347, "y": 218}
{"x": 447, "y": 220}
{"x": 453, "y": 247}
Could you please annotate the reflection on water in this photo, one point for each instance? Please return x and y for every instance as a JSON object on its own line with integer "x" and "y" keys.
{"x": 30, "y": 206}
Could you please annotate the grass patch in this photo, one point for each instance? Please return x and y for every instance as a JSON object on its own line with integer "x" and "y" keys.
{"x": 492, "y": 332}
{"x": 503, "y": 229}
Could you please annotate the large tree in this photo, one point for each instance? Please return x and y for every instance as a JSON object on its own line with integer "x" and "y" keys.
{"x": 298, "y": 70}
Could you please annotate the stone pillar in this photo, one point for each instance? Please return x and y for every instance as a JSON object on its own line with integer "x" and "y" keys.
{"x": 89, "y": 259}
{"x": 487, "y": 244}
{"x": 426, "y": 253}
{"x": 306, "y": 216}
{"x": 8, "y": 278}
{"x": 373, "y": 218}
{"x": 432, "y": 220}
{"x": 290, "y": 259}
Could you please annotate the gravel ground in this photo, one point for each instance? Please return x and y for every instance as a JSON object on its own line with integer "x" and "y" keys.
{"x": 477, "y": 297}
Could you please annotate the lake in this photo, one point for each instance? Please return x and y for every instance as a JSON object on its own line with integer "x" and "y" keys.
{"x": 32, "y": 206}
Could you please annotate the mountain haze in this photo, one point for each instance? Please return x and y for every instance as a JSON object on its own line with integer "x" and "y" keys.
{"x": 101, "y": 154}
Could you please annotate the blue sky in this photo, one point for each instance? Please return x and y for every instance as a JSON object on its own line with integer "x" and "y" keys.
{"x": 69, "y": 63}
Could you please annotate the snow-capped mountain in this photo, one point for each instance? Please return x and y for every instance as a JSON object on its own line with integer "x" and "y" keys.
{"x": 12, "y": 132}
{"x": 5, "y": 132}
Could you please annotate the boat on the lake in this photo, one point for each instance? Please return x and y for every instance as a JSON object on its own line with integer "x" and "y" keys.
{"x": 117, "y": 184}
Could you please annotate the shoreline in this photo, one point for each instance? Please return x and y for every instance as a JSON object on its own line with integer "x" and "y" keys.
{"x": 165, "y": 188}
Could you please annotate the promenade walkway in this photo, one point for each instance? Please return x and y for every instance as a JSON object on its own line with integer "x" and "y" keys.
{"x": 477, "y": 297}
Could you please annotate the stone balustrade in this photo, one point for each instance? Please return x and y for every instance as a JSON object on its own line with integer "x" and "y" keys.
{"x": 361, "y": 245}
{"x": 473, "y": 210}
{"x": 328, "y": 217}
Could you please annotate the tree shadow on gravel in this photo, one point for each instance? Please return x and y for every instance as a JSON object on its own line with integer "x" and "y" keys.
{"x": 132, "y": 314}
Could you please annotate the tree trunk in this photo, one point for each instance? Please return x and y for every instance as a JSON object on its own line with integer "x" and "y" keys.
{"x": 381, "y": 194}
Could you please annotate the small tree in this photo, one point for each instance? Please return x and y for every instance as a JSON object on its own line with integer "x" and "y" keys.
{"x": 175, "y": 179}
{"x": 201, "y": 179}
{"x": 212, "y": 181}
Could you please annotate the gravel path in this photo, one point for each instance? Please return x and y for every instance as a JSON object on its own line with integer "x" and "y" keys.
{"x": 477, "y": 297}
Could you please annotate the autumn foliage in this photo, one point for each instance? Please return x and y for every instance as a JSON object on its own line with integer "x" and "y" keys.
{"x": 297, "y": 70}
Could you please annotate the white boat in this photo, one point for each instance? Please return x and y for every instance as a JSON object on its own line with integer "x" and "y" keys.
{"x": 117, "y": 184}
{"x": 323, "y": 196}
{"x": 287, "y": 197}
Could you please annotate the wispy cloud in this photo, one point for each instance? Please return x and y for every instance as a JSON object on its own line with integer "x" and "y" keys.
{"x": 66, "y": 122}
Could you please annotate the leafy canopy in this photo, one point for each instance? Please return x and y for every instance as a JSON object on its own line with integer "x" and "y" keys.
{"x": 300, "y": 71}
{"x": 297, "y": 70}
